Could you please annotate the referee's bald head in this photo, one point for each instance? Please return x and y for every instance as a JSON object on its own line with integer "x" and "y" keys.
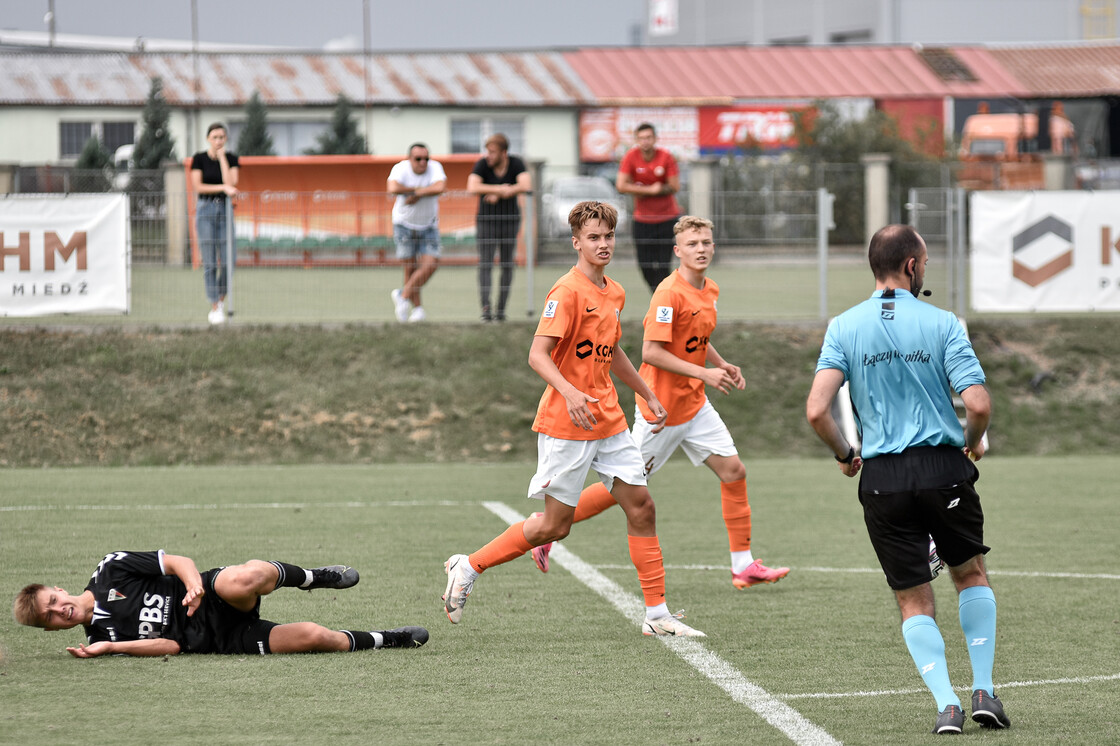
{"x": 891, "y": 247}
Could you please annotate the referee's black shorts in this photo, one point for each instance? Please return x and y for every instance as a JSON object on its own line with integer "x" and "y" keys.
{"x": 917, "y": 494}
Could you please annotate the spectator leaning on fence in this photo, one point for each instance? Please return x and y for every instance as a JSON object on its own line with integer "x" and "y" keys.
{"x": 417, "y": 182}
{"x": 497, "y": 179}
{"x": 214, "y": 174}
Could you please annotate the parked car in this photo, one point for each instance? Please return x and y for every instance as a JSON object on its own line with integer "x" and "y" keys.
{"x": 564, "y": 193}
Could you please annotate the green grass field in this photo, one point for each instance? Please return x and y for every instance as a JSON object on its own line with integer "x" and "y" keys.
{"x": 817, "y": 658}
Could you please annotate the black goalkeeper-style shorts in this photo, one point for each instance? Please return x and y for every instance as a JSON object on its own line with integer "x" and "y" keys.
{"x": 219, "y": 628}
{"x": 921, "y": 493}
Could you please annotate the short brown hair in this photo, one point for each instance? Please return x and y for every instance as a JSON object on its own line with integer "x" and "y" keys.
{"x": 585, "y": 212}
{"x": 691, "y": 222}
{"x": 26, "y": 607}
{"x": 498, "y": 139}
{"x": 891, "y": 248}
{"x": 645, "y": 126}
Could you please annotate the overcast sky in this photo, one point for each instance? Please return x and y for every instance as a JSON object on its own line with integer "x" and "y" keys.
{"x": 315, "y": 24}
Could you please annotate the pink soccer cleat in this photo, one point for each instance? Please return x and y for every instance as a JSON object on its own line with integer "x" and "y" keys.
{"x": 757, "y": 573}
{"x": 540, "y": 554}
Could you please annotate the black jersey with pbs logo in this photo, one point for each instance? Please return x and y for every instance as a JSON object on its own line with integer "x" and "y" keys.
{"x": 135, "y": 600}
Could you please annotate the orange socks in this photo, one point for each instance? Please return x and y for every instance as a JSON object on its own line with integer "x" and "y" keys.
{"x": 592, "y": 501}
{"x": 510, "y": 545}
{"x": 736, "y": 514}
{"x": 645, "y": 553}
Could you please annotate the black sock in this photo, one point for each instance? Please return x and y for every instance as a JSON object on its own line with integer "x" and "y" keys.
{"x": 362, "y": 640}
{"x": 291, "y": 576}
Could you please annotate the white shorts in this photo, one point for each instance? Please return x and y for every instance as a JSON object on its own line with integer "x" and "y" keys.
{"x": 562, "y": 465}
{"x": 703, "y": 436}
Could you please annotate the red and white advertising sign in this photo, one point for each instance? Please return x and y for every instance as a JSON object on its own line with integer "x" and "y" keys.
{"x": 724, "y": 128}
{"x": 64, "y": 254}
{"x": 662, "y": 17}
{"x": 606, "y": 134}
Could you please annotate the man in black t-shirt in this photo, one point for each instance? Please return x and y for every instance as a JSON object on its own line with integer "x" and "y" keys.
{"x": 153, "y": 603}
{"x": 497, "y": 179}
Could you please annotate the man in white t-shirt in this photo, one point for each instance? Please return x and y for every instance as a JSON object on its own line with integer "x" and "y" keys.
{"x": 417, "y": 181}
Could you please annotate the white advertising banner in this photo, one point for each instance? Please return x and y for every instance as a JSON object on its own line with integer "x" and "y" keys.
{"x": 1045, "y": 251}
{"x": 64, "y": 254}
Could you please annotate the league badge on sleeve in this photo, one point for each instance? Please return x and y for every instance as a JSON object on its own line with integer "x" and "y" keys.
{"x": 664, "y": 315}
{"x": 550, "y": 309}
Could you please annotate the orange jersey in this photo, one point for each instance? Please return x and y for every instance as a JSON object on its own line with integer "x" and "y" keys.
{"x": 585, "y": 320}
{"x": 683, "y": 318}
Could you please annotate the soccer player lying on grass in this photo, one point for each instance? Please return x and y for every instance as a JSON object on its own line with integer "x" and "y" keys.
{"x": 677, "y": 348}
{"x": 580, "y": 425}
{"x": 153, "y": 603}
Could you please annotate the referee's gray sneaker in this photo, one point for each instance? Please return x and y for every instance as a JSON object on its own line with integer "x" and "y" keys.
{"x": 332, "y": 576}
{"x": 988, "y": 711}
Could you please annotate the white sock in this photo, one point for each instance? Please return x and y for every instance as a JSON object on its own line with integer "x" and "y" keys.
{"x": 378, "y": 639}
{"x": 741, "y": 561}
{"x": 308, "y": 578}
{"x": 656, "y": 612}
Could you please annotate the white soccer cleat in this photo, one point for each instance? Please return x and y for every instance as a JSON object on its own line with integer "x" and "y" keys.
{"x": 670, "y": 625}
{"x": 417, "y": 314}
{"x": 458, "y": 587}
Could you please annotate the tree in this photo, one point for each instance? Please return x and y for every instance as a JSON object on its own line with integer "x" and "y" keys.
{"x": 93, "y": 171}
{"x": 155, "y": 144}
{"x": 254, "y": 138}
{"x": 342, "y": 137}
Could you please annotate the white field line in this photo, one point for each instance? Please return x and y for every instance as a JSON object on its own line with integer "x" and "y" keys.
{"x": 723, "y": 674}
{"x": 872, "y": 570}
{"x": 246, "y": 506}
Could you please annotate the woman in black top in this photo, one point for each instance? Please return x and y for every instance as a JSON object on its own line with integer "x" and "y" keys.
{"x": 214, "y": 178}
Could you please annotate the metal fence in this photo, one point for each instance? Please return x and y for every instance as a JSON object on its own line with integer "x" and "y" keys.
{"x": 329, "y": 257}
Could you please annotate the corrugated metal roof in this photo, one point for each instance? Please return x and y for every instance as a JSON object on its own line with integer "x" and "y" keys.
{"x": 118, "y": 78}
{"x": 1064, "y": 71}
{"x": 722, "y": 75}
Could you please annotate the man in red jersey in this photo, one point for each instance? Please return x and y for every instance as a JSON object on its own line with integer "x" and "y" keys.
{"x": 651, "y": 174}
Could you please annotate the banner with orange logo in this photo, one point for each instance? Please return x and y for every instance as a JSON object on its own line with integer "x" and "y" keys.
{"x": 1045, "y": 251}
{"x": 64, "y": 254}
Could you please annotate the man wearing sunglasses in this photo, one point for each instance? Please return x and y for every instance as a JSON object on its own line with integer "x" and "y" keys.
{"x": 417, "y": 182}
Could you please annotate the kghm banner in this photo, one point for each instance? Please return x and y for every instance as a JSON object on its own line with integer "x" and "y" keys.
{"x": 1045, "y": 251}
{"x": 64, "y": 254}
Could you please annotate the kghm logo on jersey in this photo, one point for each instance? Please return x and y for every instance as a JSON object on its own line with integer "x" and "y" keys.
{"x": 603, "y": 353}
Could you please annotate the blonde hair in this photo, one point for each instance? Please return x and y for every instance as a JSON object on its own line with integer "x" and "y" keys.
{"x": 691, "y": 222}
{"x": 26, "y": 607}
{"x": 585, "y": 212}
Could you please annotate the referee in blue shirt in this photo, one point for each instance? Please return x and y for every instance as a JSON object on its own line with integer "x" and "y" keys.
{"x": 903, "y": 359}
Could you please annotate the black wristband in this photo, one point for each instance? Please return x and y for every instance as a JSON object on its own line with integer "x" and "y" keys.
{"x": 847, "y": 459}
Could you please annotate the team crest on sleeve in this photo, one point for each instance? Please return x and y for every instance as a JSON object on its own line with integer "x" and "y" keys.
{"x": 664, "y": 315}
{"x": 550, "y": 309}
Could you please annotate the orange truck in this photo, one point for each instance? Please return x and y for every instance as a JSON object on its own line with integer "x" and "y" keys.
{"x": 999, "y": 151}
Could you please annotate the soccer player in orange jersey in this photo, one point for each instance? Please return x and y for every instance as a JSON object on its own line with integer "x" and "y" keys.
{"x": 675, "y": 357}
{"x": 580, "y": 425}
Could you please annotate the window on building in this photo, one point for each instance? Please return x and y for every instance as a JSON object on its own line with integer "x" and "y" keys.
{"x": 470, "y": 135}
{"x": 72, "y": 137}
{"x": 116, "y": 134}
{"x": 790, "y": 41}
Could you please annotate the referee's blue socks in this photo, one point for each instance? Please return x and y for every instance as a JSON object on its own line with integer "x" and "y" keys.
{"x": 927, "y": 648}
{"x": 978, "y": 621}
